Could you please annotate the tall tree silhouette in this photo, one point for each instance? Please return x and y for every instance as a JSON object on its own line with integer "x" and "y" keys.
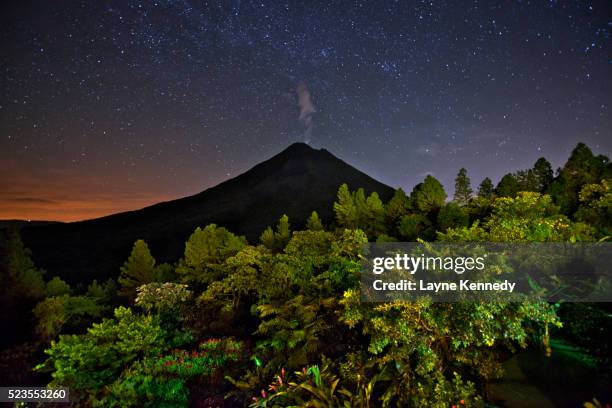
{"x": 463, "y": 188}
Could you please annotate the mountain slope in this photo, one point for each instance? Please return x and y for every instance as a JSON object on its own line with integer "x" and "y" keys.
{"x": 295, "y": 182}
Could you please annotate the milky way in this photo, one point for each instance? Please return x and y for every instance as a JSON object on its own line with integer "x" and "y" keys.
{"x": 109, "y": 106}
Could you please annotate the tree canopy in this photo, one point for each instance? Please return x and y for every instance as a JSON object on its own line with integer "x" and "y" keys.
{"x": 463, "y": 188}
{"x": 280, "y": 322}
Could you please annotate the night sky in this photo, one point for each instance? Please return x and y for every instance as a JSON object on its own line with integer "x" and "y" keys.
{"x": 110, "y": 106}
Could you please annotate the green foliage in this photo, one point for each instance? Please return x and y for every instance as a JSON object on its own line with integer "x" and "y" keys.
{"x": 596, "y": 207}
{"x": 243, "y": 279}
{"x": 89, "y": 362}
{"x": 359, "y": 198}
{"x": 415, "y": 226}
{"x": 537, "y": 179}
{"x": 313, "y": 387}
{"x": 283, "y": 231}
{"x": 463, "y": 188}
{"x": 530, "y": 206}
{"x": 441, "y": 392}
{"x": 543, "y": 174}
{"x": 267, "y": 238}
{"x": 163, "y": 381}
{"x": 292, "y": 329}
{"x": 527, "y": 180}
{"x": 275, "y": 241}
{"x": 528, "y": 217}
{"x": 355, "y": 210}
{"x": 205, "y": 251}
{"x": 139, "y": 269}
{"x": 581, "y": 168}
{"x": 57, "y": 287}
{"x": 104, "y": 293}
{"x": 349, "y": 244}
{"x": 479, "y": 208}
{"x": 396, "y": 208}
{"x": 415, "y": 340}
{"x": 428, "y": 196}
{"x": 314, "y": 222}
{"x": 374, "y": 216}
{"x": 296, "y": 298}
{"x": 21, "y": 279}
{"x": 160, "y": 298}
{"x": 508, "y": 186}
{"x": 585, "y": 325}
{"x": 55, "y": 313}
{"x": 452, "y": 216}
{"x": 345, "y": 209}
{"x": 485, "y": 189}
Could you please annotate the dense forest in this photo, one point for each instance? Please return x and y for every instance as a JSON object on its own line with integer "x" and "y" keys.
{"x": 279, "y": 322}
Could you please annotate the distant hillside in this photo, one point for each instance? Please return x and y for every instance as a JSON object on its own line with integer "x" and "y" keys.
{"x": 24, "y": 223}
{"x": 295, "y": 182}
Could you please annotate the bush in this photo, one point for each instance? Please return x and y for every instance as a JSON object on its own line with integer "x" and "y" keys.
{"x": 89, "y": 362}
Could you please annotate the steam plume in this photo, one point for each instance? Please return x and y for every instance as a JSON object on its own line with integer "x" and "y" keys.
{"x": 307, "y": 109}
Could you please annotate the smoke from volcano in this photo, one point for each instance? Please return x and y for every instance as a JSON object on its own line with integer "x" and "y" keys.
{"x": 307, "y": 109}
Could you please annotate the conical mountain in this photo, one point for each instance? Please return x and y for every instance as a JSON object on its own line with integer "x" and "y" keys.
{"x": 295, "y": 182}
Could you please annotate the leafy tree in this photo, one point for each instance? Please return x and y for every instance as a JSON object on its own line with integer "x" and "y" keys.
{"x": 385, "y": 238}
{"x": 22, "y": 285}
{"x": 543, "y": 173}
{"x": 267, "y": 238}
{"x": 243, "y": 279}
{"x": 21, "y": 279}
{"x": 527, "y": 217}
{"x": 345, "y": 208}
{"x": 416, "y": 359}
{"x": 292, "y": 329}
{"x": 349, "y": 244}
{"x": 508, "y": 186}
{"x": 138, "y": 269}
{"x": 355, "y": 210}
{"x": 452, "y": 216}
{"x": 283, "y": 231}
{"x": 581, "y": 168}
{"x": 463, "y": 189}
{"x": 314, "y": 222}
{"x": 479, "y": 208}
{"x": 413, "y": 226}
{"x": 57, "y": 287}
{"x": 205, "y": 251}
{"x": 162, "y": 298}
{"x": 536, "y": 179}
{"x": 486, "y": 190}
{"x": 428, "y": 196}
{"x": 398, "y": 206}
{"x": 104, "y": 293}
{"x": 527, "y": 180}
{"x": 374, "y": 216}
{"x": 359, "y": 198}
{"x": 55, "y": 314}
{"x": 522, "y": 180}
{"x": 275, "y": 241}
{"x": 596, "y": 207}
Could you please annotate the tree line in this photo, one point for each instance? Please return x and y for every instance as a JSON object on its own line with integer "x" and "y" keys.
{"x": 280, "y": 322}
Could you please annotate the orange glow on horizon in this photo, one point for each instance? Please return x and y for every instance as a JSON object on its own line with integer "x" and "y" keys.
{"x": 69, "y": 210}
{"x": 57, "y": 194}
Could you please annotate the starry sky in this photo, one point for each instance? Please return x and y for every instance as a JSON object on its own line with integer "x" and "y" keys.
{"x": 113, "y": 105}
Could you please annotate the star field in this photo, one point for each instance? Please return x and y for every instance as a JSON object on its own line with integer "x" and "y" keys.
{"x": 110, "y": 106}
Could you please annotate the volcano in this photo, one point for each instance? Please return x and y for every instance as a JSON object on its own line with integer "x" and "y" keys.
{"x": 295, "y": 182}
